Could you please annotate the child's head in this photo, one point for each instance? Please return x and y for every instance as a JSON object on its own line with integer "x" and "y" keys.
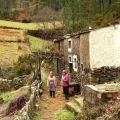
{"x": 51, "y": 73}
{"x": 64, "y": 72}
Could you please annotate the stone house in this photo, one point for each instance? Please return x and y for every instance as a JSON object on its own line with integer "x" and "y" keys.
{"x": 71, "y": 47}
{"x": 90, "y": 49}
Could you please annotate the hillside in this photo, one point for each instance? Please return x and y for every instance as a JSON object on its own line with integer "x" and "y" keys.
{"x": 76, "y": 15}
{"x": 37, "y": 44}
{"x": 12, "y": 44}
{"x": 16, "y": 43}
{"x": 18, "y": 9}
{"x": 30, "y": 26}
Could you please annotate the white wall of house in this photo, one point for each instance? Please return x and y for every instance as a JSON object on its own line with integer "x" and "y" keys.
{"x": 105, "y": 47}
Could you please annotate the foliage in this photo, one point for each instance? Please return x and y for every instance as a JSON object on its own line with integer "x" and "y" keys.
{"x": 1, "y": 100}
{"x": 64, "y": 115}
{"x": 77, "y": 14}
{"x": 45, "y": 74}
{"x": 22, "y": 66}
{"x": 81, "y": 14}
{"x": 11, "y": 5}
{"x": 6, "y": 96}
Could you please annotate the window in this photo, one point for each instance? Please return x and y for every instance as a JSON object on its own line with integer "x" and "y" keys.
{"x": 75, "y": 63}
{"x": 70, "y": 59}
{"x": 70, "y": 67}
{"x": 69, "y": 45}
{"x": 82, "y": 67}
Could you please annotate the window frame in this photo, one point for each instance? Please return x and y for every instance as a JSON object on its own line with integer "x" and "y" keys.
{"x": 75, "y": 63}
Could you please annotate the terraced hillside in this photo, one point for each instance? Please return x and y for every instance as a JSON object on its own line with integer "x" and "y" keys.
{"x": 12, "y": 45}
{"x": 30, "y": 26}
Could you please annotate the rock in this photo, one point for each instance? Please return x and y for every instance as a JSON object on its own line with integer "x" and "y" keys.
{"x": 79, "y": 101}
{"x": 73, "y": 107}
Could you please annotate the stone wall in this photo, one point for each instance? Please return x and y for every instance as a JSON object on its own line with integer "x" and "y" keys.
{"x": 102, "y": 93}
{"x": 90, "y": 95}
{"x": 16, "y": 83}
{"x": 5, "y": 84}
{"x": 84, "y": 50}
{"x": 27, "y": 111}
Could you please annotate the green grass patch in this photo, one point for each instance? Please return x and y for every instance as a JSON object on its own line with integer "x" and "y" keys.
{"x": 29, "y": 26}
{"x": 64, "y": 115}
{"x": 38, "y": 44}
{"x": 37, "y": 117}
{"x": 6, "y": 96}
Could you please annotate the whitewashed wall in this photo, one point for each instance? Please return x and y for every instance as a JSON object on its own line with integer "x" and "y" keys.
{"x": 105, "y": 47}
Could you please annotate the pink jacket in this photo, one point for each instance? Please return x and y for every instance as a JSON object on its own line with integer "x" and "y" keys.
{"x": 65, "y": 80}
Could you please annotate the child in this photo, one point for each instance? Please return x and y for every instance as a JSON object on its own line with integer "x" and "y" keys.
{"x": 51, "y": 83}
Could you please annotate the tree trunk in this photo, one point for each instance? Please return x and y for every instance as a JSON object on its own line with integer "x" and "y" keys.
{"x": 37, "y": 71}
{"x": 110, "y": 2}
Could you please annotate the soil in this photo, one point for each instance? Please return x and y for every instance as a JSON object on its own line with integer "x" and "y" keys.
{"x": 10, "y": 32}
{"x": 49, "y": 106}
{"x": 2, "y": 109}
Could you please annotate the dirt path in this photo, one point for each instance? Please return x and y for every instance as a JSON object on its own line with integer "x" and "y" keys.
{"x": 49, "y": 106}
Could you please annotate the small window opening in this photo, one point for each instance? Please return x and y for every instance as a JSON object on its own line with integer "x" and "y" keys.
{"x": 82, "y": 67}
{"x": 70, "y": 44}
{"x": 71, "y": 67}
{"x": 70, "y": 59}
{"x": 75, "y": 62}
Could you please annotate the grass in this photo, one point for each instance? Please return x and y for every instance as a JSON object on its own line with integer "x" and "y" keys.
{"x": 6, "y": 96}
{"x": 37, "y": 117}
{"x": 64, "y": 115}
{"x": 38, "y": 44}
{"x": 29, "y": 26}
{"x": 10, "y": 95}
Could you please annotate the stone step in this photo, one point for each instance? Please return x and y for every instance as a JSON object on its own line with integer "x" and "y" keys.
{"x": 73, "y": 107}
{"x": 79, "y": 101}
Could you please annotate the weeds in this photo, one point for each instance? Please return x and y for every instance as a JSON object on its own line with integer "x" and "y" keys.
{"x": 64, "y": 115}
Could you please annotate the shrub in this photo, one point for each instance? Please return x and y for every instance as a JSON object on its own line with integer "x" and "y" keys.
{"x": 1, "y": 100}
{"x": 22, "y": 67}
